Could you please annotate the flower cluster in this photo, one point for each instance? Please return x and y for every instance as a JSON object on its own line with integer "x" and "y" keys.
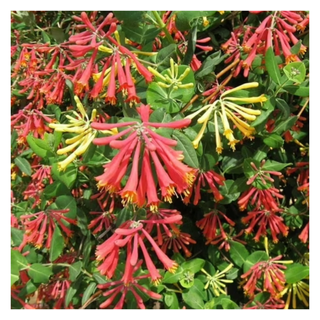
{"x": 226, "y": 108}
{"x": 154, "y": 152}
{"x": 275, "y": 31}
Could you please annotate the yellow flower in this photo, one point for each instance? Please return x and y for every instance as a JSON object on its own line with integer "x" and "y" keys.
{"x": 217, "y": 284}
{"x": 218, "y": 138}
{"x": 205, "y": 22}
{"x": 248, "y": 85}
{"x": 228, "y": 110}
{"x": 262, "y": 98}
{"x": 80, "y": 125}
{"x": 294, "y": 290}
{"x": 246, "y": 113}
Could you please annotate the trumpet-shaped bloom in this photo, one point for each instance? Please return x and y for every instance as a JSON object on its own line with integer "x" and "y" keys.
{"x": 80, "y": 125}
{"x": 128, "y": 283}
{"x": 39, "y": 227}
{"x": 132, "y": 235}
{"x": 139, "y": 143}
{"x": 271, "y": 272}
{"x": 225, "y": 109}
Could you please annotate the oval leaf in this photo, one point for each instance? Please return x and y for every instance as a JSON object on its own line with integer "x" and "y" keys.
{"x": 23, "y": 165}
{"x": 238, "y": 253}
{"x": 296, "y": 272}
{"x": 57, "y": 244}
{"x": 39, "y": 273}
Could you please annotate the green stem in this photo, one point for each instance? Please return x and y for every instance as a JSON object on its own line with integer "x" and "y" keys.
{"x": 165, "y": 30}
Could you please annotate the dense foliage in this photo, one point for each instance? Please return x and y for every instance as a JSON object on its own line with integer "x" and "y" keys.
{"x": 159, "y": 160}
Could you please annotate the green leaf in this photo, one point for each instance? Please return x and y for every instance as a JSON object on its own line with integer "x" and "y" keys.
{"x": 238, "y": 253}
{"x": 16, "y": 237}
{"x": 39, "y": 273}
{"x": 273, "y": 140}
{"x": 209, "y": 64}
{"x": 164, "y": 55}
{"x": 173, "y": 277}
{"x": 271, "y": 165}
{"x": 272, "y": 66}
{"x": 296, "y": 272}
{"x": 23, "y": 165}
{"x": 297, "y": 90}
{"x": 124, "y": 215}
{"x": 239, "y": 185}
{"x": 99, "y": 278}
{"x": 214, "y": 254}
{"x": 185, "y": 145}
{"x": 193, "y": 265}
{"x": 141, "y": 33}
{"x": 191, "y": 45}
{"x": 68, "y": 177}
{"x": 158, "y": 97}
{"x": 57, "y": 244}
{"x": 82, "y": 221}
{"x": 69, "y": 85}
{"x": 228, "y": 196}
{"x": 254, "y": 258}
{"x": 229, "y": 304}
{"x": 232, "y": 162}
{"x": 67, "y": 202}
{"x": 193, "y": 299}
{"x": 72, "y": 291}
{"x": 18, "y": 262}
{"x": 55, "y": 189}
{"x": 295, "y": 71}
{"x": 184, "y": 19}
{"x": 284, "y": 107}
{"x": 261, "y": 153}
{"x": 74, "y": 270}
{"x": 39, "y": 147}
{"x": 171, "y": 300}
{"x": 88, "y": 292}
{"x": 58, "y": 34}
{"x": 130, "y": 18}
{"x": 285, "y": 125}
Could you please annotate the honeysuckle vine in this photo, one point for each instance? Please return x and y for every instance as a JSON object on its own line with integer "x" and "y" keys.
{"x": 160, "y": 160}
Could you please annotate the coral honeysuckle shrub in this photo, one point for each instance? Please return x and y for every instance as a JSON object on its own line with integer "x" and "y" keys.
{"x": 160, "y": 159}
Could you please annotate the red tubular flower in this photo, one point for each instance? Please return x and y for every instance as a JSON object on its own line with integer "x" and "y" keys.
{"x": 211, "y": 223}
{"x": 177, "y": 241}
{"x": 103, "y": 222}
{"x": 271, "y": 303}
{"x": 266, "y": 220}
{"x": 111, "y": 93}
{"x": 128, "y": 283}
{"x": 304, "y": 235}
{"x": 56, "y": 290}
{"x": 132, "y": 95}
{"x": 205, "y": 179}
{"x": 131, "y": 234}
{"x": 274, "y": 279}
{"x": 267, "y": 198}
{"x": 172, "y": 175}
{"x": 44, "y": 223}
